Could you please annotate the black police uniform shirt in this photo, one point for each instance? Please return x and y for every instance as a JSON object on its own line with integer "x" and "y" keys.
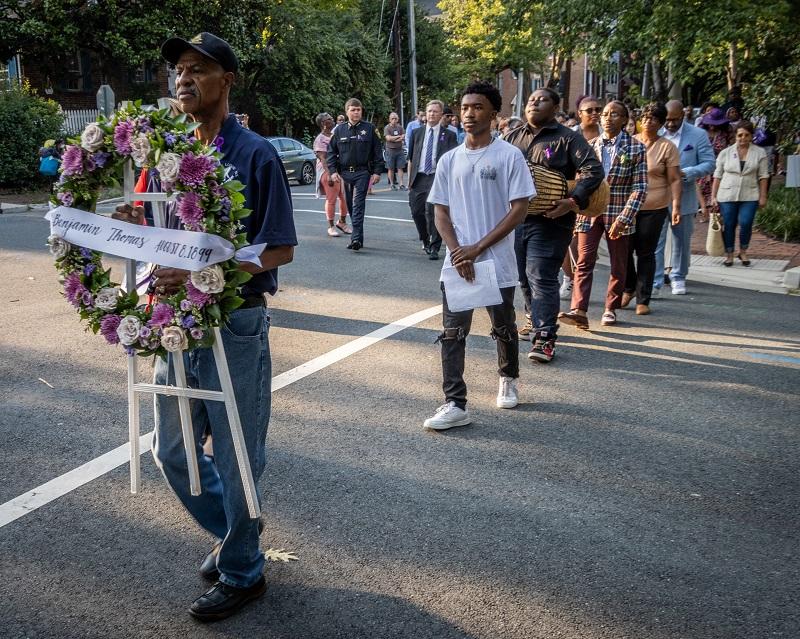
{"x": 252, "y": 160}
{"x": 356, "y": 146}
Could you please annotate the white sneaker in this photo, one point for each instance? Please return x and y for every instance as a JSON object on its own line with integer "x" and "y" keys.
{"x": 678, "y": 287}
{"x": 447, "y": 416}
{"x": 656, "y": 292}
{"x": 507, "y": 396}
{"x": 565, "y": 292}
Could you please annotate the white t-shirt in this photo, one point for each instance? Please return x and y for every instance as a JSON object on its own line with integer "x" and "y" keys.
{"x": 478, "y": 186}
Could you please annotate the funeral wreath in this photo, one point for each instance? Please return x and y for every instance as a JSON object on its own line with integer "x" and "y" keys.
{"x": 204, "y": 202}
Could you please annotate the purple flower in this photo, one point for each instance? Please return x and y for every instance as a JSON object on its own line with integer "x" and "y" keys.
{"x": 89, "y": 269}
{"x": 196, "y": 333}
{"x": 145, "y": 332}
{"x": 218, "y": 142}
{"x": 72, "y": 160}
{"x": 225, "y": 205}
{"x": 189, "y": 209}
{"x": 195, "y": 296}
{"x": 108, "y": 328}
{"x": 87, "y": 298}
{"x": 101, "y": 158}
{"x": 188, "y": 321}
{"x": 130, "y": 350}
{"x": 73, "y": 289}
{"x": 145, "y": 125}
{"x": 162, "y": 314}
{"x": 170, "y": 139}
{"x": 86, "y": 253}
{"x": 66, "y": 198}
{"x": 122, "y": 137}
{"x": 548, "y": 152}
{"x": 186, "y": 305}
{"x": 195, "y": 169}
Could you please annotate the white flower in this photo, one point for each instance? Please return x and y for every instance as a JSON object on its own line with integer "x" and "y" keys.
{"x": 58, "y": 246}
{"x": 169, "y": 166}
{"x": 210, "y": 280}
{"x": 173, "y": 339}
{"x": 92, "y": 137}
{"x": 128, "y": 330}
{"x": 107, "y": 298}
{"x": 140, "y": 149}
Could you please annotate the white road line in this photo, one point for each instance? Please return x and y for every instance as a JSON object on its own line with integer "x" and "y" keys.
{"x": 371, "y": 217}
{"x": 309, "y": 196}
{"x": 66, "y": 483}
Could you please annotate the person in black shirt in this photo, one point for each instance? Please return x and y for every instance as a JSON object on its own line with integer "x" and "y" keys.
{"x": 543, "y": 239}
{"x": 354, "y": 153}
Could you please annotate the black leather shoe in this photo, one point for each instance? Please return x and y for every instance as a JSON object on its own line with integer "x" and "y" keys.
{"x": 433, "y": 255}
{"x": 222, "y": 600}
{"x": 208, "y": 569}
{"x": 355, "y": 245}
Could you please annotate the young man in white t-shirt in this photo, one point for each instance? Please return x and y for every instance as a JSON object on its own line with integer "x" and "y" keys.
{"x": 480, "y": 194}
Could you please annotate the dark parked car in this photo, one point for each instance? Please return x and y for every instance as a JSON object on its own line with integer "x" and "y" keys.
{"x": 298, "y": 160}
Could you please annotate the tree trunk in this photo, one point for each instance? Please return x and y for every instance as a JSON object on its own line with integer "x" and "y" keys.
{"x": 732, "y": 68}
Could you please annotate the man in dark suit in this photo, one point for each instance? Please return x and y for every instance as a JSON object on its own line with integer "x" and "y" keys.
{"x": 428, "y": 144}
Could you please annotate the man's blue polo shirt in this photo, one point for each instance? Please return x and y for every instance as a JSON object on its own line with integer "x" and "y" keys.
{"x": 252, "y": 160}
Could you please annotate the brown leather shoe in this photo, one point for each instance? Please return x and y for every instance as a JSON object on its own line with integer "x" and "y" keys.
{"x": 574, "y": 319}
{"x": 626, "y": 299}
{"x": 642, "y": 309}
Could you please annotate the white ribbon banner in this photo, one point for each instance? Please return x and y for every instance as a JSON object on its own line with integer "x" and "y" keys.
{"x": 189, "y": 250}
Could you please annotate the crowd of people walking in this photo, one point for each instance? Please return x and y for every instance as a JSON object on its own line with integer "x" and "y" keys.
{"x": 636, "y": 179}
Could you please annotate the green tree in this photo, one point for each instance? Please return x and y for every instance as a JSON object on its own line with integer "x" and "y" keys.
{"x": 26, "y": 121}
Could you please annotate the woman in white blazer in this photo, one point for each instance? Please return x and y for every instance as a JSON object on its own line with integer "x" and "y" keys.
{"x": 740, "y": 187}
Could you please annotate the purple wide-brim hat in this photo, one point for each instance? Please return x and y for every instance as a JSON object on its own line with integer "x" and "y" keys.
{"x": 715, "y": 117}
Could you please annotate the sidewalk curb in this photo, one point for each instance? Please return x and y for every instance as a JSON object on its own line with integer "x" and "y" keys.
{"x": 14, "y": 208}
{"x": 771, "y": 281}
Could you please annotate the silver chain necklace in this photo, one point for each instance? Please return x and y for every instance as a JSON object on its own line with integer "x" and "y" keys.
{"x": 475, "y": 163}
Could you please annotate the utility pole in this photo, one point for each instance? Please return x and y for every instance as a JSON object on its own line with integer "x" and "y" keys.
{"x": 412, "y": 55}
{"x": 398, "y": 70}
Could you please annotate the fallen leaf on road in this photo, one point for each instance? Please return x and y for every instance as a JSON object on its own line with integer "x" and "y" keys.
{"x": 44, "y": 381}
{"x": 280, "y": 555}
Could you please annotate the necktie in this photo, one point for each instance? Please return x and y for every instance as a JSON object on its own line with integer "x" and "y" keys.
{"x": 609, "y": 141}
{"x": 429, "y": 153}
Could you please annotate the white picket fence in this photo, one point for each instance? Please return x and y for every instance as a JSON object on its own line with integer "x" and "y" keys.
{"x": 76, "y": 119}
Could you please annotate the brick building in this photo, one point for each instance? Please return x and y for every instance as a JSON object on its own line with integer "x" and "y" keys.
{"x": 75, "y": 84}
{"x": 577, "y": 79}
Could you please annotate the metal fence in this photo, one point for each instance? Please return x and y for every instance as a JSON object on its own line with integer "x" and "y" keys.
{"x": 76, "y": 119}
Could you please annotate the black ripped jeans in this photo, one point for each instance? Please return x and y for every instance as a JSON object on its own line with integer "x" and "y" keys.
{"x": 454, "y": 339}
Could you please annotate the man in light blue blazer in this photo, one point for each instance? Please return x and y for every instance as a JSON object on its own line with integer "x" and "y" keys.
{"x": 697, "y": 160}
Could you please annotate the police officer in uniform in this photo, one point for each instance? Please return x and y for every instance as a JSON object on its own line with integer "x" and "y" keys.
{"x": 353, "y": 157}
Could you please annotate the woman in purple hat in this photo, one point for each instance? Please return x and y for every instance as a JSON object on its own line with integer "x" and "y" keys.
{"x": 719, "y": 134}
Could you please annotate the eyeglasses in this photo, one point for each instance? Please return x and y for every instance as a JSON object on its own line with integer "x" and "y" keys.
{"x": 593, "y": 110}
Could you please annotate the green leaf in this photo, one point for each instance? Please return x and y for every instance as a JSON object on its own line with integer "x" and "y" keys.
{"x": 214, "y": 312}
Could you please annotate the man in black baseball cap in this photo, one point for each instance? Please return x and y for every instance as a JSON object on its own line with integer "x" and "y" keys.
{"x": 205, "y": 69}
{"x": 206, "y": 43}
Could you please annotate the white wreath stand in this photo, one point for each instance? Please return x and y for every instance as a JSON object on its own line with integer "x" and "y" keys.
{"x": 182, "y": 390}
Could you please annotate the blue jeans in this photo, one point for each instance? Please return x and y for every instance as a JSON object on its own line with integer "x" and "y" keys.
{"x": 681, "y": 250}
{"x": 743, "y": 214}
{"x": 221, "y": 507}
{"x": 545, "y": 243}
{"x": 356, "y": 185}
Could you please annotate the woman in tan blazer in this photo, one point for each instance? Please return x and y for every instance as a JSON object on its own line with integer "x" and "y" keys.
{"x": 740, "y": 187}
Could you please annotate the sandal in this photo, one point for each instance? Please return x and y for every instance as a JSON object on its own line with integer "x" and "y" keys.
{"x": 609, "y": 318}
{"x": 744, "y": 262}
{"x": 575, "y": 319}
{"x": 342, "y": 226}
{"x": 728, "y": 263}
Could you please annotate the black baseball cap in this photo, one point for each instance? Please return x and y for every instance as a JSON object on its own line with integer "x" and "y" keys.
{"x": 206, "y": 43}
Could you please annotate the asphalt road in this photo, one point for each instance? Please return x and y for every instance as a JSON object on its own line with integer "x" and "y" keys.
{"x": 647, "y": 487}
